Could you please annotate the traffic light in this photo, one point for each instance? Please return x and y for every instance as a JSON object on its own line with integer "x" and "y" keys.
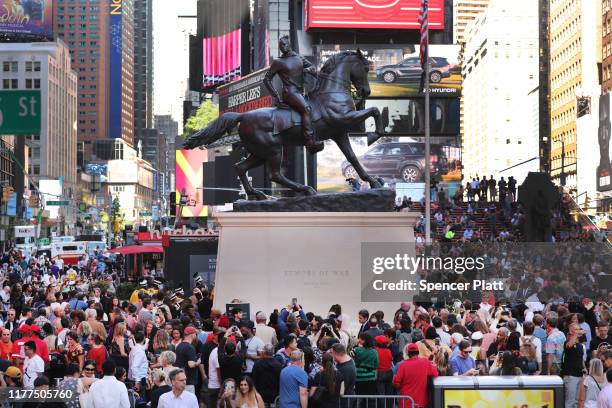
{"x": 173, "y": 203}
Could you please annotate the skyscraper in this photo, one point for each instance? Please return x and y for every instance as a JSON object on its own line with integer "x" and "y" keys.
{"x": 573, "y": 70}
{"x": 99, "y": 34}
{"x": 501, "y": 116}
{"x": 143, "y": 67}
{"x": 465, "y": 11}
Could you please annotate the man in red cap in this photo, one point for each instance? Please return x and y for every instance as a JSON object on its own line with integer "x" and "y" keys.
{"x": 412, "y": 375}
{"x": 41, "y": 346}
{"x": 18, "y": 345}
{"x": 29, "y": 333}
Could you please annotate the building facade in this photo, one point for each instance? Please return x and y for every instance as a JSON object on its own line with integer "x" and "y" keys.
{"x": 46, "y": 66}
{"x": 143, "y": 67}
{"x": 500, "y": 88}
{"x": 85, "y": 26}
{"x": 574, "y": 25}
{"x": 465, "y": 11}
{"x": 606, "y": 46}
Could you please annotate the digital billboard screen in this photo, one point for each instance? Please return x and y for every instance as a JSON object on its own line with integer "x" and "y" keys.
{"x": 395, "y": 72}
{"x": 224, "y": 24}
{"x": 189, "y": 176}
{"x": 604, "y": 170}
{"x": 397, "y": 160}
{"x": 387, "y": 14}
{"x": 26, "y": 18}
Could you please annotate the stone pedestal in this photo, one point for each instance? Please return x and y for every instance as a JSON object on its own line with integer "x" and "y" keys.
{"x": 268, "y": 258}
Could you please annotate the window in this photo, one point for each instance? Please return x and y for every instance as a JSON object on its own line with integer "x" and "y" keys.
{"x": 9, "y": 84}
{"x": 37, "y": 84}
{"x": 9, "y": 66}
{"x": 377, "y": 151}
{"x": 28, "y": 83}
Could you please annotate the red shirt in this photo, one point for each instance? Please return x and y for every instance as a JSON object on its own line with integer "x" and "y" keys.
{"x": 6, "y": 350}
{"x": 385, "y": 359}
{"x": 97, "y": 354}
{"x": 411, "y": 380}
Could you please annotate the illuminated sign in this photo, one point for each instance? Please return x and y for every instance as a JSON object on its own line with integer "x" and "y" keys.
{"x": 116, "y": 7}
{"x": 525, "y": 398}
{"x": 27, "y": 18}
{"x": 189, "y": 177}
{"x": 388, "y": 14}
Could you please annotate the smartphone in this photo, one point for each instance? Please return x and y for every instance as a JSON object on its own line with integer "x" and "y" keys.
{"x": 229, "y": 387}
{"x": 294, "y": 301}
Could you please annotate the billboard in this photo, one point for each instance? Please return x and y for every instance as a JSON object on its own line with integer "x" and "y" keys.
{"x": 246, "y": 94}
{"x": 395, "y": 72}
{"x": 189, "y": 176}
{"x": 399, "y": 161}
{"x": 224, "y": 25}
{"x": 386, "y": 14}
{"x": 115, "y": 32}
{"x": 26, "y": 18}
{"x": 604, "y": 170}
{"x": 499, "y": 398}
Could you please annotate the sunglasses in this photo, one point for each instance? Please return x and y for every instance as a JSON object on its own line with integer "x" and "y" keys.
{"x": 89, "y": 369}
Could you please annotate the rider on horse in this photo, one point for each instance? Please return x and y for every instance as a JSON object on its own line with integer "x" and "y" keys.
{"x": 290, "y": 68}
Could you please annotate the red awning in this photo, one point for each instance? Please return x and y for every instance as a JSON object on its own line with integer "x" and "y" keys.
{"x": 138, "y": 249}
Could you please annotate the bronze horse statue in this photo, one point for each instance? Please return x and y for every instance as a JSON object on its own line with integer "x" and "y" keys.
{"x": 264, "y": 132}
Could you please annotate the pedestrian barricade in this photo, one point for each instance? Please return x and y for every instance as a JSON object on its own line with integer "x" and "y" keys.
{"x": 377, "y": 401}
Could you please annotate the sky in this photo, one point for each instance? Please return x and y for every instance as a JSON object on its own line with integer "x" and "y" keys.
{"x": 171, "y": 55}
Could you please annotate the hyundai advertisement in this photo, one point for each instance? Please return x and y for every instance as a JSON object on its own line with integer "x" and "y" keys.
{"x": 397, "y": 72}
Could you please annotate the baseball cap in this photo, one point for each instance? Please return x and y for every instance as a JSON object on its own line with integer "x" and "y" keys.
{"x": 412, "y": 348}
{"x": 190, "y": 330}
{"x": 25, "y": 328}
{"x": 13, "y": 372}
{"x": 381, "y": 339}
{"x": 35, "y": 328}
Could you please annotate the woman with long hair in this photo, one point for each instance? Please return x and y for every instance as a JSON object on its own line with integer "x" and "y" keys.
{"x": 227, "y": 399}
{"x": 592, "y": 384}
{"x": 84, "y": 330}
{"x": 88, "y": 378}
{"x": 247, "y": 396}
{"x": 177, "y": 336}
{"x": 366, "y": 363}
{"x": 119, "y": 344}
{"x": 74, "y": 350}
{"x": 505, "y": 365}
{"x": 332, "y": 382}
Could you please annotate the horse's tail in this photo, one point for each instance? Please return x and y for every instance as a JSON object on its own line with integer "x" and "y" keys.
{"x": 214, "y": 131}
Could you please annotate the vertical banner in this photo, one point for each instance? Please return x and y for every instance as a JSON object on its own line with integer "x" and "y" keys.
{"x": 116, "y": 62}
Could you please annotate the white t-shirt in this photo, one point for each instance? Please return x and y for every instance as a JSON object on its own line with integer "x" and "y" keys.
{"x": 213, "y": 364}
{"x": 31, "y": 368}
{"x": 253, "y": 345}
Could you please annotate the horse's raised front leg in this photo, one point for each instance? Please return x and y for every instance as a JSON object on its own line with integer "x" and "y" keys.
{"x": 353, "y": 119}
{"x": 241, "y": 168}
{"x": 345, "y": 146}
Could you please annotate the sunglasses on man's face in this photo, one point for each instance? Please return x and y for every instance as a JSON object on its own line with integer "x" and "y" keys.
{"x": 89, "y": 369}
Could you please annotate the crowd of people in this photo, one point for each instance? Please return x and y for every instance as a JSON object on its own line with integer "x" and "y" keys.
{"x": 64, "y": 327}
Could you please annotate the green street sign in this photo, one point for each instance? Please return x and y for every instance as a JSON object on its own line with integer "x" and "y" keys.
{"x": 145, "y": 214}
{"x": 20, "y": 112}
{"x": 56, "y": 203}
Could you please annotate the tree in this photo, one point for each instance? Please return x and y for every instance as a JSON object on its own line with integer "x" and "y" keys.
{"x": 116, "y": 217}
{"x": 207, "y": 112}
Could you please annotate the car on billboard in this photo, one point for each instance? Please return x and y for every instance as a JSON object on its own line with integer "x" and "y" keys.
{"x": 410, "y": 68}
{"x": 403, "y": 161}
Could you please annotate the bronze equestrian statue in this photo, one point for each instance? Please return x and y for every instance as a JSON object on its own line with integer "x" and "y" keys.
{"x": 290, "y": 68}
{"x": 264, "y": 132}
